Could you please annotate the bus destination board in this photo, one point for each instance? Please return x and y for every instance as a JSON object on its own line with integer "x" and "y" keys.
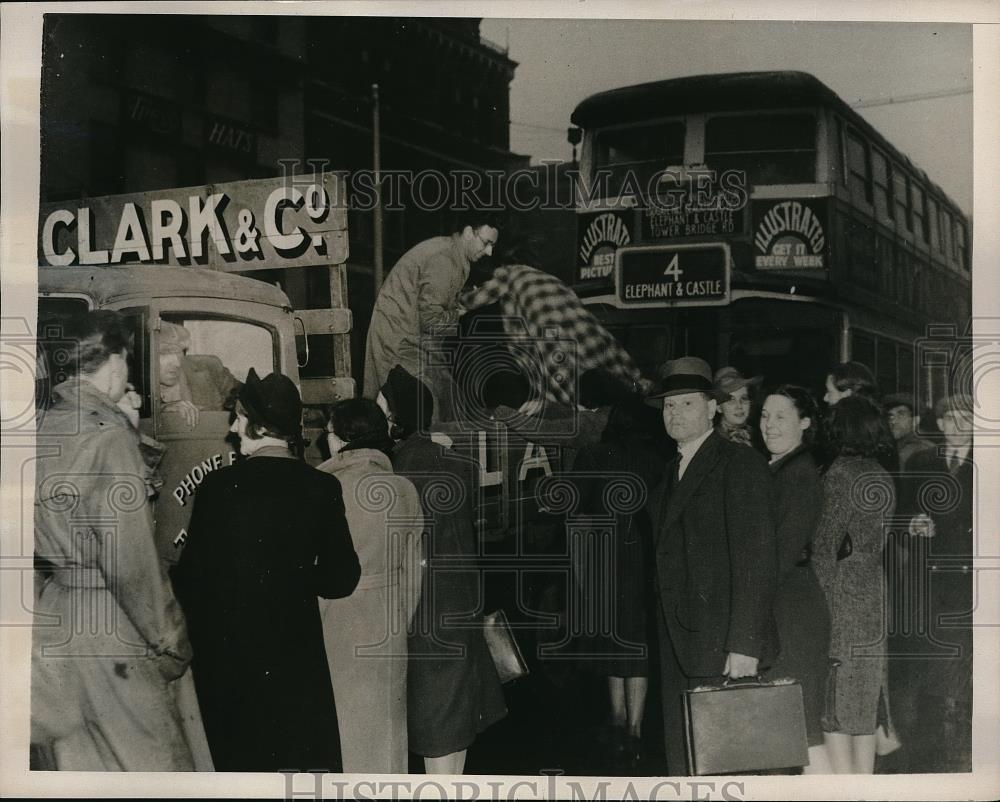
{"x": 678, "y": 275}
{"x": 695, "y": 205}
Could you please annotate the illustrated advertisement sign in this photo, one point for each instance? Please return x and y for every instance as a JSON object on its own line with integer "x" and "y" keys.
{"x": 676, "y": 275}
{"x": 599, "y": 236}
{"x": 789, "y": 235}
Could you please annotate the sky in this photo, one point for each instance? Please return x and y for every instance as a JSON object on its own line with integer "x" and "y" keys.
{"x": 563, "y": 61}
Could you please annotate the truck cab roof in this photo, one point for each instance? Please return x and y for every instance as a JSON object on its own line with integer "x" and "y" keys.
{"x": 107, "y": 284}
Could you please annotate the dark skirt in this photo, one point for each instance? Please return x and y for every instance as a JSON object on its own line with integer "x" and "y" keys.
{"x": 453, "y": 691}
{"x": 613, "y": 599}
{"x": 803, "y": 621}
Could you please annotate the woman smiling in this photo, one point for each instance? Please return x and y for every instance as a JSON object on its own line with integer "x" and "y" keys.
{"x": 789, "y": 421}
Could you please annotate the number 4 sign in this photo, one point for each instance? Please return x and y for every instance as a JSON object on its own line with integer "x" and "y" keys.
{"x": 674, "y": 268}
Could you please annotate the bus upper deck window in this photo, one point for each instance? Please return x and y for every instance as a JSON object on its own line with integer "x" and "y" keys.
{"x": 642, "y": 150}
{"x": 769, "y": 148}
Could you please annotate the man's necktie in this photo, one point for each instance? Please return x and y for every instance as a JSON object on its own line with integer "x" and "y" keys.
{"x": 671, "y": 473}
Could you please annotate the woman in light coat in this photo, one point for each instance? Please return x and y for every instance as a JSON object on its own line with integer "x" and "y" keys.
{"x": 365, "y": 634}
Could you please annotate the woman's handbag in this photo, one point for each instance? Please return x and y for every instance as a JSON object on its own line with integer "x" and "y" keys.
{"x": 745, "y": 726}
{"x": 503, "y": 648}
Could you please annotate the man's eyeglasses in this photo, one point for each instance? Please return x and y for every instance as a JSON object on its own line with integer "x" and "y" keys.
{"x": 487, "y": 243}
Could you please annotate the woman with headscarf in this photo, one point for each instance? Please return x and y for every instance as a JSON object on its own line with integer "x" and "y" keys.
{"x": 267, "y": 535}
{"x": 454, "y": 692}
{"x": 365, "y": 634}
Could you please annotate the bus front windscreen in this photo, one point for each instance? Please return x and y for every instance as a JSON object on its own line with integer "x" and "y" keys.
{"x": 642, "y": 150}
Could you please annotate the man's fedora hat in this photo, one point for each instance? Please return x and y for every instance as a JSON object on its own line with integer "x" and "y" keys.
{"x": 689, "y": 374}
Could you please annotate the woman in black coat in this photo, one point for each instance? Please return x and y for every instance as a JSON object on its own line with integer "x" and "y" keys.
{"x": 614, "y": 477}
{"x": 267, "y": 535}
{"x": 789, "y": 421}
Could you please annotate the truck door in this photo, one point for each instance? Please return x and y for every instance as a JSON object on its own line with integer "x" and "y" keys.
{"x": 200, "y": 354}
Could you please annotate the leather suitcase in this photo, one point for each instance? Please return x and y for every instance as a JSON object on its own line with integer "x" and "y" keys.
{"x": 745, "y": 726}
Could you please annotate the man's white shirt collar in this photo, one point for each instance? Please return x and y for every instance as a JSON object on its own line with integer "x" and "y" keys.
{"x": 687, "y": 451}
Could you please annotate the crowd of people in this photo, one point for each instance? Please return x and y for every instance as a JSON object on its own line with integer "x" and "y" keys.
{"x": 787, "y": 542}
{"x": 330, "y": 616}
{"x": 307, "y": 601}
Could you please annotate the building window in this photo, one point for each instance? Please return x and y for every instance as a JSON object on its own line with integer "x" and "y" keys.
{"x": 882, "y": 180}
{"x": 154, "y": 70}
{"x": 859, "y": 168}
{"x": 228, "y": 94}
{"x": 769, "y": 148}
{"x": 264, "y": 106}
{"x": 149, "y": 168}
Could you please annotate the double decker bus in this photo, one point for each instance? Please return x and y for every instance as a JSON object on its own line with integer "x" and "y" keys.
{"x": 756, "y": 220}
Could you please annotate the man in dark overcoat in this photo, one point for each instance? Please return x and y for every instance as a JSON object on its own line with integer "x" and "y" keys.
{"x": 932, "y": 698}
{"x": 716, "y": 551}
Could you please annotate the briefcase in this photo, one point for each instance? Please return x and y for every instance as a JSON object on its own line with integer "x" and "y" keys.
{"x": 745, "y": 726}
{"x": 503, "y": 648}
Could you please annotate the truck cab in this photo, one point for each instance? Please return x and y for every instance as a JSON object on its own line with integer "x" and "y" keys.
{"x": 228, "y": 325}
